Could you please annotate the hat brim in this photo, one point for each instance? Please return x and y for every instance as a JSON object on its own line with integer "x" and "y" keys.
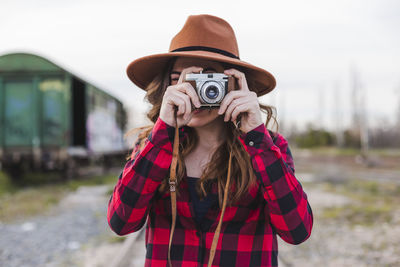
{"x": 143, "y": 70}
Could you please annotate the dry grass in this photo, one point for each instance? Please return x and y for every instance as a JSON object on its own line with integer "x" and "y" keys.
{"x": 29, "y": 201}
{"x": 32, "y": 197}
{"x": 373, "y": 202}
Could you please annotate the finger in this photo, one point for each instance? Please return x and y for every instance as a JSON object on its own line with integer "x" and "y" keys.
{"x": 233, "y": 105}
{"x": 188, "y": 89}
{"x": 182, "y": 77}
{"x": 240, "y": 77}
{"x": 188, "y": 108}
{"x": 237, "y": 102}
{"x": 238, "y": 110}
{"x": 228, "y": 99}
{"x": 187, "y": 103}
{"x": 178, "y": 102}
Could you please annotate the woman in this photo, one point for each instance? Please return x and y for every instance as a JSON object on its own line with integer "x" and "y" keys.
{"x": 263, "y": 199}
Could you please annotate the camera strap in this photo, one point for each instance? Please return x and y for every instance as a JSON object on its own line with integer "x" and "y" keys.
{"x": 172, "y": 188}
{"x": 172, "y": 184}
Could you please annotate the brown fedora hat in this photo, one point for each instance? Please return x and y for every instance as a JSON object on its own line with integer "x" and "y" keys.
{"x": 206, "y": 37}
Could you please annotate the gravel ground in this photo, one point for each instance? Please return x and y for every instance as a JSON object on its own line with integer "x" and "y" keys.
{"x": 75, "y": 233}
{"x": 338, "y": 243}
{"x": 51, "y": 239}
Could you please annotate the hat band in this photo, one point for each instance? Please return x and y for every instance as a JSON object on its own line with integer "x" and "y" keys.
{"x": 205, "y": 48}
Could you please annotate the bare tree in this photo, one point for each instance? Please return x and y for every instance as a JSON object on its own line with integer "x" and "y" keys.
{"x": 355, "y": 98}
{"x": 338, "y": 115}
{"x": 363, "y": 121}
{"x": 397, "y": 91}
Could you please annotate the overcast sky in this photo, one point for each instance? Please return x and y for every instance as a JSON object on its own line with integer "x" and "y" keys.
{"x": 310, "y": 46}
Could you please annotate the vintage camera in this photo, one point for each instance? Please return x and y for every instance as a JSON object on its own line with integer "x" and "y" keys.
{"x": 211, "y": 87}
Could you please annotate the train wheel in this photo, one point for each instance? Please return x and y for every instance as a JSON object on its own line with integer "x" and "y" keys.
{"x": 17, "y": 171}
{"x": 69, "y": 170}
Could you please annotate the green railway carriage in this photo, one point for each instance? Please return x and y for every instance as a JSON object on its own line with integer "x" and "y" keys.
{"x": 50, "y": 119}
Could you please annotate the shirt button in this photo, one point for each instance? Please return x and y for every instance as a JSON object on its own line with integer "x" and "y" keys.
{"x": 251, "y": 143}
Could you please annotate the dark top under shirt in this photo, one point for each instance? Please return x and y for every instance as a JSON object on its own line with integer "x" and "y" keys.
{"x": 200, "y": 206}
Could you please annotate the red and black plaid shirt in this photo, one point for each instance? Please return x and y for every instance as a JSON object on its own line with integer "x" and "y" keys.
{"x": 276, "y": 205}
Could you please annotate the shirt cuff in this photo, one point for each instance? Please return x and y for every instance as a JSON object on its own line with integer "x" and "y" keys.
{"x": 162, "y": 135}
{"x": 257, "y": 140}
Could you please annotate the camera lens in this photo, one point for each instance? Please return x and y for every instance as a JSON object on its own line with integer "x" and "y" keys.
{"x": 212, "y": 92}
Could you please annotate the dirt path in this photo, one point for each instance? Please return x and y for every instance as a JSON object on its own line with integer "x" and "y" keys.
{"x": 334, "y": 242}
{"x": 76, "y": 233}
{"x": 51, "y": 239}
{"x": 339, "y": 242}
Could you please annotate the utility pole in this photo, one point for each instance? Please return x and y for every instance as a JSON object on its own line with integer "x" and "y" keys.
{"x": 355, "y": 91}
{"x": 398, "y": 108}
{"x": 337, "y": 113}
{"x": 360, "y": 115}
{"x": 321, "y": 108}
{"x": 397, "y": 122}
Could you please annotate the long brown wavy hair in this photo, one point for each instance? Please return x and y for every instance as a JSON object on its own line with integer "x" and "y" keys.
{"x": 242, "y": 175}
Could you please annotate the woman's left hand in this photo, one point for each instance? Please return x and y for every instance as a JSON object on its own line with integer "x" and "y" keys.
{"x": 241, "y": 101}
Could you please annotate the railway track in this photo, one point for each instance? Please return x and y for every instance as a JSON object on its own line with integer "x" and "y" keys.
{"x": 133, "y": 251}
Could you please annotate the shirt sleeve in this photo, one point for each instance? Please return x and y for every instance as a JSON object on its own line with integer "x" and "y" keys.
{"x": 289, "y": 211}
{"x": 137, "y": 185}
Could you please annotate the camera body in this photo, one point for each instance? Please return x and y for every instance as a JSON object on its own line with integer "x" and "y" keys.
{"x": 211, "y": 87}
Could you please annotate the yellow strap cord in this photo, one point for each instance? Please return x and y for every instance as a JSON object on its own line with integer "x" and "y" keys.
{"x": 172, "y": 188}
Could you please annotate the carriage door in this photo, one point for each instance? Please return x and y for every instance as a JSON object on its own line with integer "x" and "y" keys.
{"x": 53, "y": 112}
{"x": 19, "y": 118}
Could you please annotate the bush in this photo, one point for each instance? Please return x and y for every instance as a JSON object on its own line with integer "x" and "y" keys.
{"x": 352, "y": 139}
{"x": 314, "y": 138}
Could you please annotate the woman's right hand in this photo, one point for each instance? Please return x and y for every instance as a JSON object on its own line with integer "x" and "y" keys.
{"x": 179, "y": 95}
